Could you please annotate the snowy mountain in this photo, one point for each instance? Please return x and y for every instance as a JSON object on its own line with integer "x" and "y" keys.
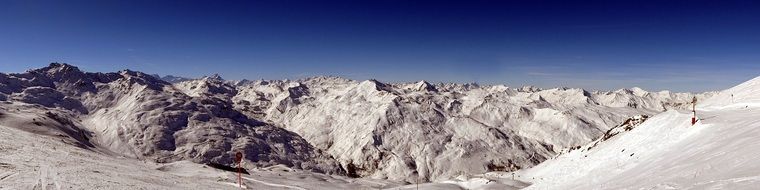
{"x": 399, "y": 132}
{"x": 434, "y": 132}
{"x": 32, "y": 161}
{"x": 136, "y": 115}
{"x": 172, "y": 78}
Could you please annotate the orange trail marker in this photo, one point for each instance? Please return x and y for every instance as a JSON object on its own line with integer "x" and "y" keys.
{"x": 238, "y": 159}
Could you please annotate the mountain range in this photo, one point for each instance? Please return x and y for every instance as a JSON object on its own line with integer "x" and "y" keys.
{"x": 408, "y": 132}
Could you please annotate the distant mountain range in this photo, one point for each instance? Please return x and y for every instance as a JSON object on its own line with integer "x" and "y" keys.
{"x": 394, "y": 131}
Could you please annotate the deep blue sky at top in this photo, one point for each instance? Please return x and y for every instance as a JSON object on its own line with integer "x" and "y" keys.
{"x": 677, "y": 45}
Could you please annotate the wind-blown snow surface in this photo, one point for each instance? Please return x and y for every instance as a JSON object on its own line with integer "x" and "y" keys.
{"x": 667, "y": 152}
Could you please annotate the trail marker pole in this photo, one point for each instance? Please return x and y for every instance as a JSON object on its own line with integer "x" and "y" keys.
{"x": 238, "y": 159}
{"x": 694, "y": 110}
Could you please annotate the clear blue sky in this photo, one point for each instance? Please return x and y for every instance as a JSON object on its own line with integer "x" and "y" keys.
{"x": 677, "y": 45}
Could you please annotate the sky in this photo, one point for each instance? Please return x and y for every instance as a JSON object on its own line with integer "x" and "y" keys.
{"x": 681, "y": 46}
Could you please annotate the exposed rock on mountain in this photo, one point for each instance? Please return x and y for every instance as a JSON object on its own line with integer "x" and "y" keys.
{"x": 404, "y": 131}
{"x": 213, "y": 86}
{"x": 172, "y": 79}
{"x": 137, "y": 115}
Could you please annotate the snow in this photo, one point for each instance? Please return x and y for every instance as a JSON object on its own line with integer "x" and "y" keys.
{"x": 138, "y": 131}
{"x": 171, "y": 78}
{"x": 746, "y": 94}
{"x": 136, "y": 115}
{"x": 28, "y": 161}
{"x": 667, "y": 152}
{"x": 391, "y": 131}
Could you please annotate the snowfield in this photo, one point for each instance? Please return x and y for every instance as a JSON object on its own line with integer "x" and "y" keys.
{"x": 62, "y": 128}
{"x": 32, "y": 161}
{"x": 667, "y": 152}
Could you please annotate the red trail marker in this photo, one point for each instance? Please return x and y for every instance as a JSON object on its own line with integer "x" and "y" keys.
{"x": 694, "y": 110}
{"x": 238, "y": 159}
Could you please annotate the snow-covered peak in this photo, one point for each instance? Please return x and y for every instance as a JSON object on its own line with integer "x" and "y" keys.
{"x": 330, "y": 79}
{"x": 136, "y": 77}
{"x": 214, "y": 86}
{"x": 54, "y": 72}
{"x": 623, "y": 91}
{"x": 214, "y": 77}
{"x": 502, "y": 88}
{"x": 375, "y": 85}
{"x": 529, "y": 89}
{"x": 56, "y": 68}
{"x": 174, "y": 79}
{"x": 131, "y": 73}
{"x": 424, "y": 86}
{"x": 326, "y": 81}
{"x": 638, "y": 91}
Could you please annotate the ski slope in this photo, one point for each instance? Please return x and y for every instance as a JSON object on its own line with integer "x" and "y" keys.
{"x": 667, "y": 152}
{"x": 35, "y": 161}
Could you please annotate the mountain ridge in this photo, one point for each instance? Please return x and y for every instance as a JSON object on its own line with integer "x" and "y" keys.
{"x": 137, "y": 115}
{"x": 395, "y": 131}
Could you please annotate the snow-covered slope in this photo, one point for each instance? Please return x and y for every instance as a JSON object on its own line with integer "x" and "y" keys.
{"x": 136, "y": 115}
{"x": 32, "y": 161}
{"x": 401, "y": 132}
{"x": 435, "y": 132}
{"x": 667, "y": 152}
{"x": 746, "y": 95}
{"x": 213, "y": 86}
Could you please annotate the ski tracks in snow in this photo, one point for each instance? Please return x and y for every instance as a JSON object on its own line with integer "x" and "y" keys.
{"x": 48, "y": 176}
{"x": 273, "y": 184}
{"x": 6, "y": 174}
